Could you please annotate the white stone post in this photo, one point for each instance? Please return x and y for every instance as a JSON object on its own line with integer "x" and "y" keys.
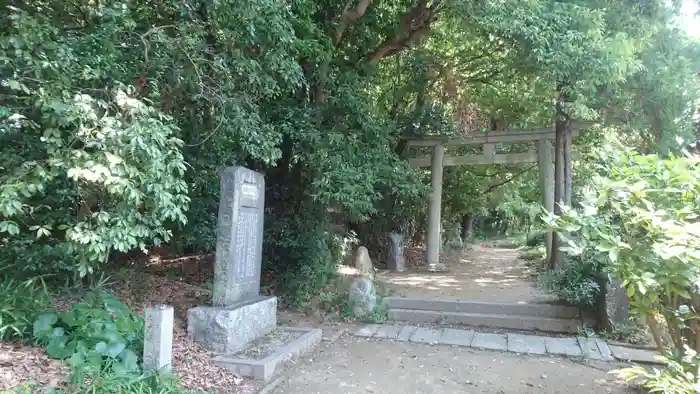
{"x": 158, "y": 339}
{"x": 432, "y": 250}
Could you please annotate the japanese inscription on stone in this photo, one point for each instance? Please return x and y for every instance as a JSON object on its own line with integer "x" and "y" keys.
{"x": 239, "y": 237}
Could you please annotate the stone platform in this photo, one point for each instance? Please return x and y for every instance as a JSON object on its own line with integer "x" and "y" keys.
{"x": 266, "y": 367}
{"x": 230, "y": 329}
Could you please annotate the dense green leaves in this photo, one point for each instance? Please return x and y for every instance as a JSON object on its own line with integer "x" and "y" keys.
{"x": 116, "y": 118}
{"x": 639, "y": 218}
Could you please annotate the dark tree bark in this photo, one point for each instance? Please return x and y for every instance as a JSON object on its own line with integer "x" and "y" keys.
{"x": 562, "y": 169}
{"x": 467, "y": 226}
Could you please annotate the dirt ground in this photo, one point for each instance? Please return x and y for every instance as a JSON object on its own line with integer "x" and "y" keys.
{"x": 354, "y": 365}
{"x": 480, "y": 274}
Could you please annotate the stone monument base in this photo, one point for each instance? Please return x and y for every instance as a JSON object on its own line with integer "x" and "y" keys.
{"x": 230, "y": 329}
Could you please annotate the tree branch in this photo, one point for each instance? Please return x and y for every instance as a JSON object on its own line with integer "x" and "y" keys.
{"x": 490, "y": 188}
{"x": 349, "y": 16}
{"x": 413, "y": 27}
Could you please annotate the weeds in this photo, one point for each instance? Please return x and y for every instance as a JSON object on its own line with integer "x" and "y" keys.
{"x": 21, "y": 301}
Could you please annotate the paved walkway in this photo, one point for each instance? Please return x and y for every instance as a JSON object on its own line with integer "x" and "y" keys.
{"x": 592, "y": 348}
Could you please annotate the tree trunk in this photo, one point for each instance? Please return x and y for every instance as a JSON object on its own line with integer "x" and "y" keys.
{"x": 562, "y": 171}
{"x": 467, "y": 226}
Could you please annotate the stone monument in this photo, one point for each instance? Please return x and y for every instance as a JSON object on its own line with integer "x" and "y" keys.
{"x": 362, "y": 294}
{"x": 617, "y": 303}
{"x": 363, "y": 263}
{"x": 239, "y": 314}
{"x": 397, "y": 261}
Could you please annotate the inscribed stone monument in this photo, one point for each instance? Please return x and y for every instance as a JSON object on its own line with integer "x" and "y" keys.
{"x": 397, "y": 261}
{"x": 239, "y": 237}
{"x": 616, "y": 303}
{"x": 239, "y": 314}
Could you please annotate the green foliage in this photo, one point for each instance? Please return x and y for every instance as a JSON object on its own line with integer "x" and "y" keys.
{"x": 379, "y": 314}
{"x": 100, "y": 338}
{"x": 577, "y": 281}
{"x": 535, "y": 239}
{"x": 640, "y": 219}
{"x": 87, "y": 167}
{"x": 679, "y": 377}
{"x": 537, "y": 253}
{"x": 21, "y": 301}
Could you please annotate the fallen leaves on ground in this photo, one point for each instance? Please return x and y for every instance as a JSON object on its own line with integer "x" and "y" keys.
{"x": 20, "y": 364}
{"x": 192, "y": 363}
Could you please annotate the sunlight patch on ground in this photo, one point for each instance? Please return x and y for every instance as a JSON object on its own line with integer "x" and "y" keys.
{"x": 433, "y": 282}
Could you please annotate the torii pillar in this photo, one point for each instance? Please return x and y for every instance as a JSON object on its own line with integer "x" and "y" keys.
{"x": 432, "y": 249}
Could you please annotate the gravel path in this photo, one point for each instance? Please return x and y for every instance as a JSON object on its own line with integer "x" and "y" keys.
{"x": 353, "y": 366}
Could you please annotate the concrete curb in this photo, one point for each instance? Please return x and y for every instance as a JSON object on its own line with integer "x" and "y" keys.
{"x": 591, "y": 348}
{"x": 265, "y": 368}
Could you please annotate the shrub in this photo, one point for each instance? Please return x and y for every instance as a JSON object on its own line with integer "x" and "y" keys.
{"x": 640, "y": 218}
{"x": 679, "y": 376}
{"x": 100, "y": 338}
{"x": 21, "y": 301}
{"x": 535, "y": 239}
{"x": 576, "y": 281}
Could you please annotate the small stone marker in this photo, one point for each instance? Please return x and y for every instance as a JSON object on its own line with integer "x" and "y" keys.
{"x": 397, "y": 261}
{"x": 363, "y": 263}
{"x": 158, "y": 338}
{"x": 239, "y": 238}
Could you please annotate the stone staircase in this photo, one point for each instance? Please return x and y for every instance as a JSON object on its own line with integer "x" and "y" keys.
{"x": 548, "y": 317}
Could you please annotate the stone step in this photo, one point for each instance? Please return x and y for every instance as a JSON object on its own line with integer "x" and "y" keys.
{"x": 495, "y": 308}
{"x": 514, "y": 322}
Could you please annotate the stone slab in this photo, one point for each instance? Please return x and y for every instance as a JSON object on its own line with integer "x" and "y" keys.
{"x": 265, "y": 368}
{"x": 563, "y": 346}
{"x": 405, "y": 333}
{"x": 367, "y": 331}
{"x": 595, "y": 349}
{"x": 425, "y": 335}
{"x": 451, "y": 336}
{"x": 388, "y": 331}
{"x": 635, "y": 355}
{"x": 485, "y": 340}
{"x": 239, "y": 237}
{"x": 530, "y": 344}
{"x": 229, "y": 330}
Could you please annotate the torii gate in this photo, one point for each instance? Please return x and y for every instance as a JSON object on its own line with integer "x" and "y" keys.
{"x": 543, "y": 156}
